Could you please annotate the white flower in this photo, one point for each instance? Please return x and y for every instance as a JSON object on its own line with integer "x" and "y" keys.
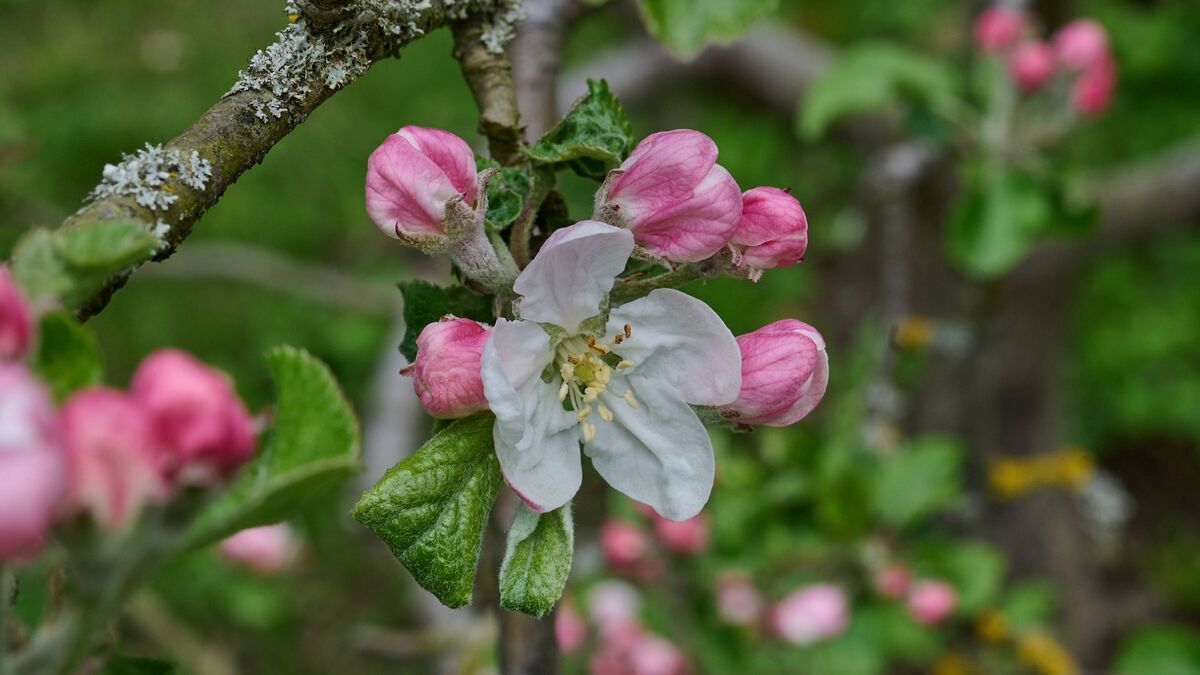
{"x": 558, "y": 377}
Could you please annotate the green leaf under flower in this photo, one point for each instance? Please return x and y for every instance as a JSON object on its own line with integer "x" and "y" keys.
{"x": 537, "y": 560}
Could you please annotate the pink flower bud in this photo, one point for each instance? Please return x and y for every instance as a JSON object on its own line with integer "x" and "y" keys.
{"x": 27, "y": 417}
{"x": 1031, "y": 65}
{"x": 623, "y": 544}
{"x": 1092, "y": 91}
{"x": 112, "y": 458}
{"x": 687, "y": 536}
{"x": 931, "y": 601}
{"x": 654, "y": 655}
{"x": 1081, "y": 44}
{"x": 414, "y": 176}
{"x": 446, "y": 372}
{"x": 671, "y": 193}
{"x": 998, "y": 28}
{"x": 738, "y": 602}
{"x": 811, "y": 614}
{"x": 202, "y": 427}
{"x": 784, "y": 374}
{"x": 773, "y": 230}
{"x": 570, "y": 631}
{"x": 265, "y": 549}
{"x": 892, "y": 581}
{"x": 614, "y": 604}
{"x": 15, "y": 322}
{"x": 32, "y": 481}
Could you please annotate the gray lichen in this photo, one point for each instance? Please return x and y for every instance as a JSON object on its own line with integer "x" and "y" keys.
{"x": 503, "y": 27}
{"x": 145, "y": 176}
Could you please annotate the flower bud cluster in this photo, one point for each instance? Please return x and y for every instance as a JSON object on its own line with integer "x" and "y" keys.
{"x": 624, "y": 646}
{"x": 106, "y": 453}
{"x": 928, "y": 601}
{"x": 1078, "y": 53}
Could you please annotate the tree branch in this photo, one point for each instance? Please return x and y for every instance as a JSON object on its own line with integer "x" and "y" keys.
{"x": 489, "y": 74}
{"x": 284, "y": 83}
{"x": 537, "y": 57}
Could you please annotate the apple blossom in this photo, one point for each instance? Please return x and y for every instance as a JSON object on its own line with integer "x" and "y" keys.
{"x": 623, "y": 544}
{"x": 570, "y": 630}
{"x": 630, "y": 381}
{"x": 773, "y": 230}
{"x": 784, "y": 374}
{"x": 112, "y": 457}
{"x": 15, "y": 321}
{"x": 892, "y": 581}
{"x": 445, "y": 371}
{"x": 32, "y": 475}
{"x": 655, "y": 655}
{"x": 202, "y": 427}
{"x": 738, "y": 601}
{"x": 998, "y": 28}
{"x": 1031, "y": 65}
{"x": 1092, "y": 91}
{"x": 1081, "y": 44}
{"x": 613, "y": 604}
{"x": 811, "y": 614}
{"x": 931, "y": 601}
{"x": 417, "y": 179}
{"x": 265, "y": 549}
{"x": 685, "y": 536}
{"x": 671, "y": 193}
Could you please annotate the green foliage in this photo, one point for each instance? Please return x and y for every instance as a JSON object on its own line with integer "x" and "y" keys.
{"x": 70, "y": 264}
{"x": 592, "y": 139}
{"x": 1161, "y": 650}
{"x": 1028, "y": 605}
{"x": 872, "y": 77}
{"x": 917, "y": 480}
{"x": 432, "y": 508}
{"x": 313, "y": 443}
{"x": 66, "y": 356}
{"x": 507, "y": 192}
{"x": 687, "y": 26}
{"x": 537, "y": 560}
{"x": 994, "y": 225}
{"x": 425, "y": 303}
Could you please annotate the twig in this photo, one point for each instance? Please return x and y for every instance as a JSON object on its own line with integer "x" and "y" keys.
{"x": 489, "y": 75}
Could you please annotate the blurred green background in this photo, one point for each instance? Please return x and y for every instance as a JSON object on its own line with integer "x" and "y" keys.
{"x": 82, "y": 81}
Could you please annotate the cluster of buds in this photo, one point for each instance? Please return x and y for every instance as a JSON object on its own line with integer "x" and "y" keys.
{"x": 629, "y": 548}
{"x": 806, "y": 615}
{"x": 624, "y": 646}
{"x": 929, "y": 601}
{"x": 106, "y": 453}
{"x": 1078, "y": 53}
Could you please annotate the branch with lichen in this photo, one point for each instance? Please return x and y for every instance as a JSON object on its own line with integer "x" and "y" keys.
{"x": 327, "y": 44}
{"x": 479, "y": 48}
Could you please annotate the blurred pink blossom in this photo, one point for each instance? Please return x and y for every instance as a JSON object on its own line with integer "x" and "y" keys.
{"x": 811, "y": 614}
{"x": 32, "y": 471}
{"x": 892, "y": 581}
{"x": 446, "y": 371}
{"x": 1081, "y": 44}
{"x": 16, "y": 324}
{"x": 265, "y": 549}
{"x": 570, "y": 630}
{"x": 614, "y": 604}
{"x": 685, "y": 536}
{"x": 997, "y": 28}
{"x": 1031, "y": 65}
{"x": 623, "y": 544}
{"x": 1092, "y": 91}
{"x": 738, "y": 601}
{"x": 930, "y": 601}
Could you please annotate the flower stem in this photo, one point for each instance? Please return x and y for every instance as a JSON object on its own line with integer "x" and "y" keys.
{"x": 633, "y": 288}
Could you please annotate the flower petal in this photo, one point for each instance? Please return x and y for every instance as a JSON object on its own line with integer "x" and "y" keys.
{"x": 663, "y": 169}
{"x": 575, "y": 269}
{"x": 405, "y": 189}
{"x": 658, "y": 452}
{"x": 451, "y": 153}
{"x": 537, "y": 442}
{"x": 680, "y": 340}
{"x": 695, "y": 228}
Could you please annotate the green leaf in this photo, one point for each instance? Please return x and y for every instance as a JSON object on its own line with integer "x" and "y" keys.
{"x": 997, "y": 222}
{"x": 917, "y": 480}
{"x": 687, "y": 26}
{"x": 1028, "y": 605}
{"x": 1161, "y": 650}
{"x": 38, "y": 269}
{"x": 593, "y": 138}
{"x": 66, "y": 356}
{"x": 537, "y": 560}
{"x": 313, "y": 443}
{"x": 870, "y": 78}
{"x": 507, "y": 192}
{"x": 425, "y": 303}
{"x": 107, "y": 246}
{"x": 432, "y": 508}
{"x": 975, "y": 570}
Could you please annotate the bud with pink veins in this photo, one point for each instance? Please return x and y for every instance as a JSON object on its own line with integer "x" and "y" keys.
{"x": 773, "y": 230}
{"x": 784, "y": 374}
{"x": 446, "y": 370}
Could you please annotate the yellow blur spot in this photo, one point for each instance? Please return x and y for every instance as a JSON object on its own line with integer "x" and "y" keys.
{"x": 1070, "y": 468}
{"x": 992, "y": 627}
{"x": 951, "y": 663}
{"x": 1045, "y": 654}
{"x": 293, "y": 18}
{"x": 914, "y": 332}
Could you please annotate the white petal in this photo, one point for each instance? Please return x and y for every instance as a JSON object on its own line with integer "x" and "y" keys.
{"x": 680, "y": 340}
{"x": 657, "y": 453}
{"x": 537, "y": 442}
{"x": 572, "y": 273}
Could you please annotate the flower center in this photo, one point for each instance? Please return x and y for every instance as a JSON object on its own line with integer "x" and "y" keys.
{"x": 587, "y": 367}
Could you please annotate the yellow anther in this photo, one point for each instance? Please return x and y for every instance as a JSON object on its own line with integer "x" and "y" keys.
{"x": 605, "y": 413}
{"x": 562, "y": 391}
{"x": 630, "y": 399}
{"x": 589, "y": 432}
{"x": 590, "y": 394}
{"x": 586, "y": 413}
{"x": 625, "y": 365}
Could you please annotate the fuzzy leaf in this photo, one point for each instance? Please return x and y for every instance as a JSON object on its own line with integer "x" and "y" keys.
{"x": 432, "y": 508}
{"x": 70, "y": 264}
{"x": 425, "y": 303}
{"x": 66, "y": 357}
{"x": 869, "y": 78}
{"x": 593, "y": 138}
{"x": 687, "y": 26}
{"x": 507, "y": 193}
{"x": 994, "y": 226}
{"x": 537, "y": 560}
{"x": 313, "y": 443}
{"x": 37, "y": 267}
{"x": 108, "y": 246}
{"x": 917, "y": 480}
